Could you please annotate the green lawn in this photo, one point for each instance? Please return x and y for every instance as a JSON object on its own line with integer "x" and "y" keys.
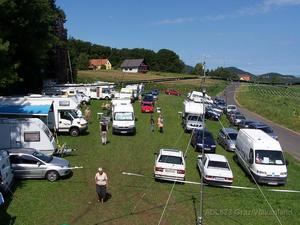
{"x": 140, "y": 200}
{"x": 279, "y": 104}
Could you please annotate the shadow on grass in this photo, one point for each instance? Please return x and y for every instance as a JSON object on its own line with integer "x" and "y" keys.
{"x": 5, "y": 217}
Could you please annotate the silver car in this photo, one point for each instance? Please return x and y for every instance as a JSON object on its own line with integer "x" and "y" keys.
{"x": 29, "y": 163}
{"x": 227, "y": 138}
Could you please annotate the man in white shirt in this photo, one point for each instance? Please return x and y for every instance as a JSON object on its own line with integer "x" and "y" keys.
{"x": 101, "y": 184}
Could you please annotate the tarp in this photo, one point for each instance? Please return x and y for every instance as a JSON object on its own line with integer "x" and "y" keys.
{"x": 25, "y": 110}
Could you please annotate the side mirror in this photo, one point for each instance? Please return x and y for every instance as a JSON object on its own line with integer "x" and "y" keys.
{"x": 39, "y": 163}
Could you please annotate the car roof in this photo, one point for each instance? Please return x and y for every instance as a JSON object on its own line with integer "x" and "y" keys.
{"x": 229, "y": 130}
{"x": 21, "y": 150}
{"x": 216, "y": 157}
{"x": 172, "y": 152}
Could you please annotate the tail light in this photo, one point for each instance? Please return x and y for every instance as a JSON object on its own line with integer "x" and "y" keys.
{"x": 181, "y": 171}
{"x": 228, "y": 178}
{"x": 159, "y": 169}
{"x": 209, "y": 177}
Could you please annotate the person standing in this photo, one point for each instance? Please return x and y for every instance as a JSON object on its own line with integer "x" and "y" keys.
{"x": 103, "y": 132}
{"x": 101, "y": 184}
{"x": 152, "y": 123}
{"x": 87, "y": 114}
{"x": 160, "y": 123}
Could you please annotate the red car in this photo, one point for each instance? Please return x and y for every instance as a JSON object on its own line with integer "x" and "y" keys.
{"x": 172, "y": 92}
{"x": 147, "y": 107}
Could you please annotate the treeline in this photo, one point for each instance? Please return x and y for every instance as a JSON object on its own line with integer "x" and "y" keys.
{"x": 31, "y": 36}
{"x": 164, "y": 60}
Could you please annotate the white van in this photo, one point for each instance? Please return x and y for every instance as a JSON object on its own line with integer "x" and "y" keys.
{"x": 6, "y": 174}
{"x": 26, "y": 133}
{"x": 123, "y": 119}
{"x": 262, "y": 156}
{"x": 192, "y": 116}
{"x": 197, "y": 96}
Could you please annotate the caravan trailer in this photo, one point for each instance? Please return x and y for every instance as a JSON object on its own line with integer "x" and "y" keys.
{"x": 6, "y": 174}
{"x": 26, "y": 133}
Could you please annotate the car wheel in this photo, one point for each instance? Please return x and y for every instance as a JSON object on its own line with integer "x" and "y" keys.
{"x": 74, "y": 132}
{"x": 84, "y": 103}
{"x": 106, "y": 98}
{"x": 52, "y": 176}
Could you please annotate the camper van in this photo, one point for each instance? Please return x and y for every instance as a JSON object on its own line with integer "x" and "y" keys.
{"x": 123, "y": 119}
{"x": 137, "y": 89}
{"x": 192, "y": 116}
{"x": 58, "y": 115}
{"x": 26, "y": 133}
{"x": 6, "y": 175}
{"x": 197, "y": 96}
{"x": 262, "y": 156}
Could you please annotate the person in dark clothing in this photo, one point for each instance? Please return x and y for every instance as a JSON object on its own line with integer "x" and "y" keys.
{"x": 152, "y": 123}
{"x": 103, "y": 131}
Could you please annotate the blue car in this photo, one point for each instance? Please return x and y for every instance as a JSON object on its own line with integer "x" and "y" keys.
{"x": 197, "y": 141}
{"x": 264, "y": 127}
{"x": 155, "y": 93}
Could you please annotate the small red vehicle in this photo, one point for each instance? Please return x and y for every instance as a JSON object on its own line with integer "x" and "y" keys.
{"x": 147, "y": 107}
{"x": 172, "y": 92}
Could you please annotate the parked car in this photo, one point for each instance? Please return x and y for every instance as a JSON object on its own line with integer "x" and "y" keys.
{"x": 238, "y": 118}
{"x": 245, "y": 123}
{"x": 230, "y": 115}
{"x": 212, "y": 113}
{"x": 264, "y": 127}
{"x": 227, "y": 137}
{"x": 155, "y": 93}
{"x": 148, "y": 98}
{"x": 215, "y": 169}
{"x": 169, "y": 165}
{"x": 147, "y": 107}
{"x": 221, "y": 104}
{"x": 172, "y": 92}
{"x": 231, "y": 108}
{"x": 203, "y": 136}
{"x": 29, "y": 163}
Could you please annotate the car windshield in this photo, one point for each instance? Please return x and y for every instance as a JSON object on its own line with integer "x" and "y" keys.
{"x": 231, "y": 107}
{"x": 207, "y": 135}
{"x": 195, "y": 118}
{"x": 147, "y": 104}
{"x": 170, "y": 159}
{"x": 268, "y": 130}
{"x": 73, "y": 113}
{"x": 241, "y": 117}
{"x": 148, "y": 98}
{"x": 124, "y": 116}
{"x": 268, "y": 157}
{"x": 41, "y": 156}
{"x": 218, "y": 164}
{"x": 232, "y": 136}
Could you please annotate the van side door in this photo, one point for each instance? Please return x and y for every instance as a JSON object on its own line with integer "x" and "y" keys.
{"x": 65, "y": 120}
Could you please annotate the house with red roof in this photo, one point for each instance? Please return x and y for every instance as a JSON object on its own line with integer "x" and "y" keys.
{"x": 98, "y": 64}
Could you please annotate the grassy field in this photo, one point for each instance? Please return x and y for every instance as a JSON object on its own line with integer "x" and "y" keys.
{"x": 141, "y": 200}
{"x": 279, "y": 104}
{"x": 86, "y": 76}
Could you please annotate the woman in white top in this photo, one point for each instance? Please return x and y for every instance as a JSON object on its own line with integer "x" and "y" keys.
{"x": 101, "y": 184}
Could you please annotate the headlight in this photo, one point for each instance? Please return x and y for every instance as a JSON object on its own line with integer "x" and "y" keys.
{"x": 199, "y": 144}
{"x": 260, "y": 172}
{"x": 232, "y": 146}
{"x": 283, "y": 173}
{"x": 213, "y": 146}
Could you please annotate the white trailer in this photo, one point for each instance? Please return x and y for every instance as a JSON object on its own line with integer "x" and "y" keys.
{"x": 26, "y": 133}
{"x": 6, "y": 174}
{"x": 199, "y": 97}
{"x": 58, "y": 115}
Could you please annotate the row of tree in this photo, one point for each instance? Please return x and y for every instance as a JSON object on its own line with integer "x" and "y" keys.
{"x": 31, "y": 36}
{"x": 164, "y": 60}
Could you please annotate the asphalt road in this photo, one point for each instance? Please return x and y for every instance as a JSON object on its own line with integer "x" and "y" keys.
{"x": 289, "y": 140}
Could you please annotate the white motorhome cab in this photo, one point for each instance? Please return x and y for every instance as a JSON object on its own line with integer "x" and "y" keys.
{"x": 192, "y": 116}
{"x": 197, "y": 96}
{"x": 135, "y": 89}
{"x": 123, "y": 119}
{"x": 6, "y": 174}
{"x": 57, "y": 115}
{"x": 262, "y": 156}
{"x": 26, "y": 133}
{"x": 126, "y": 93}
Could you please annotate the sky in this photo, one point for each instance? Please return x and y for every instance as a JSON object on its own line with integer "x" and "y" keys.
{"x": 256, "y": 36}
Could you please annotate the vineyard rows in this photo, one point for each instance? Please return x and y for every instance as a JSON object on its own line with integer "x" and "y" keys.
{"x": 274, "y": 91}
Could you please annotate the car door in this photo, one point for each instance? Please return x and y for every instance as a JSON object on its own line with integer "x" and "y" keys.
{"x": 65, "y": 120}
{"x": 27, "y": 167}
{"x": 221, "y": 138}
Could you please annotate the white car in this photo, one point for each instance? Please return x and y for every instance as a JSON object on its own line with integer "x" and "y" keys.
{"x": 169, "y": 165}
{"x": 231, "y": 108}
{"x": 215, "y": 169}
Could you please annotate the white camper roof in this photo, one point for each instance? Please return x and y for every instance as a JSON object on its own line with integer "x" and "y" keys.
{"x": 260, "y": 140}
{"x": 36, "y": 121}
{"x": 193, "y": 107}
{"x": 120, "y": 101}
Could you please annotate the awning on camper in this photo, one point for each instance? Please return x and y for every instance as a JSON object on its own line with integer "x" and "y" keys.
{"x": 25, "y": 110}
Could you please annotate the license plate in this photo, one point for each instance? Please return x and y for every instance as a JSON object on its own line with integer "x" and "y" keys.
{"x": 170, "y": 170}
{"x": 220, "y": 178}
{"x": 123, "y": 132}
{"x": 207, "y": 149}
{"x": 272, "y": 183}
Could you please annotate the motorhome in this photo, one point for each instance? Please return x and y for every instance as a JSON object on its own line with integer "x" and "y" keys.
{"x": 26, "y": 133}
{"x": 192, "y": 115}
{"x": 57, "y": 115}
{"x": 123, "y": 118}
{"x": 199, "y": 97}
{"x": 6, "y": 174}
{"x": 261, "y": 156}
{"x": 136, "y": 88}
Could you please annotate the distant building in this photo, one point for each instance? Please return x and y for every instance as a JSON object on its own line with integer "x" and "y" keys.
{"x": 134, "y": 66}
{"x": 244, "y": 77}
{"x": 98, "y": 64}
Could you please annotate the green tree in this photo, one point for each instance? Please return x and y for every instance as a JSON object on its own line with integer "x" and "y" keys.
{"x": 198, "y": 69}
